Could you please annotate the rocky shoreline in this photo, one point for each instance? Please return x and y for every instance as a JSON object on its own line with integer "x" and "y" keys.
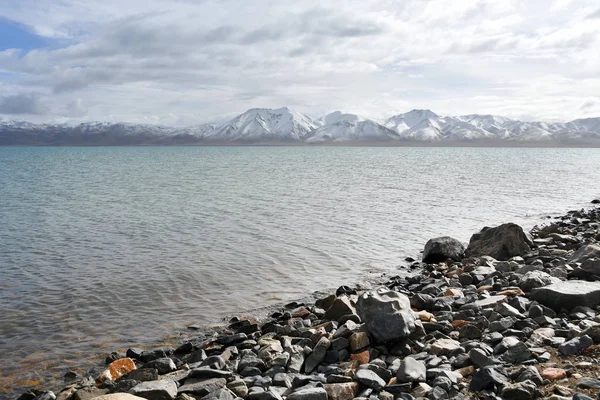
{"x": 514, "y": 315}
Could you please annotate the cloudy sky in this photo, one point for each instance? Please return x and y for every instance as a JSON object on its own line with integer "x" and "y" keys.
{"x": 182, "y": 62}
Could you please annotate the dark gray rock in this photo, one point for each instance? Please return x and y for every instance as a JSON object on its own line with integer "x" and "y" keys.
{"x": 585, "y": 252}
{"x": 202, "y": 387}
{"x": 588, "y": 383}
{"x": 317, "y": 355}
{"x": 214, "y": 362}
{"x": 370, "y": 379}
{"x": 387, "y": 314}
{"x": 340, "y": 307}
{"x": 443, "y": 248}
{"x": 488, "y": 378}
{"x": 568, "y": 294}
{"x": 470, "y": 332}
{"x": 575, "y": 345}
{"x": 162, "y": 365}
{"x": 156, "y": 390}
{"x": 518, "y": 391}
{"x": 411, "y": 370}
{"x": 208, "y": 373}
{"x": 501, "y": 242}
{"x": 238, "y": 387}
{"x": 517, "y": 354}
{"x": 143, "y": 374}
{"x": 220, "y": 394}
{"x": 532, "y": 374}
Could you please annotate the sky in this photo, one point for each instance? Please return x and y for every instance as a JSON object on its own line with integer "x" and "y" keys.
{"x": 184, "y": 62}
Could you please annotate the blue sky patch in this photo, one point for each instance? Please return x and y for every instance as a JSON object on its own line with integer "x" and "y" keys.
{"x": 14, "y": 35}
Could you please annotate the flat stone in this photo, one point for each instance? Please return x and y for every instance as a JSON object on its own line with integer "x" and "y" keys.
{"x": 88, "y": 393}
{"x": 156, "y": 390}
{"x": 202, "y": 387}
{"x": 118, "y": 396}
{"x": 369, "y": 379}
{"x": 411, "y": 370}
{"x": 316, "y": 393}
{"x": 444, "y": 346}
{"x": 588, "y": 383}
{"x": 568, "y": 294}
{"x": 143, "y": 375}
{"x": 490, "y": 302}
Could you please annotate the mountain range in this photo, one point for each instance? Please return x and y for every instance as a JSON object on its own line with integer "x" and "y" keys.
{"x": 286, "y": 126}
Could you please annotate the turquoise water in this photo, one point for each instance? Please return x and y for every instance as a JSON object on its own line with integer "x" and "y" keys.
{"x": 107, "y": 247}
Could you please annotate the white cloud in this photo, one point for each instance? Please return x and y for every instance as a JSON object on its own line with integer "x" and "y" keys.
{"x": 188, "y": 61}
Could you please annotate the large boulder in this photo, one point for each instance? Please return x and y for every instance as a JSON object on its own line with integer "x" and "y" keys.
{"x": 568, "y": 294}
{"x": 501, "y": 242}
{"x": 443, "y": 248}
{"x": 387, "y": 314}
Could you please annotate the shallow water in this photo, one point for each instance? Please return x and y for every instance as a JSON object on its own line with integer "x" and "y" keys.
{"x": 108, "y": 247}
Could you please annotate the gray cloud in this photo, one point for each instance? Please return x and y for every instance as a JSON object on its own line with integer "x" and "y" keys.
{"x": 22, "y": 104}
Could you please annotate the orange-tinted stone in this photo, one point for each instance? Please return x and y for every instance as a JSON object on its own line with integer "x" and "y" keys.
{"x": 511, "y": 292}
{"x": 363, "y": 357}
{"x": 466, "y": 371}
{"x": 459, "y": 323}
{"x": 484, "y": 287}
{"x": 554, "y": 373}
{"x": 453, "y": 292}
{"x": 116, "y": 369}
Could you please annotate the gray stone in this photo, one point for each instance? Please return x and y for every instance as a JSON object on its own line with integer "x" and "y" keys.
{"x": 208, "y": 373}
{"x": 202, "y": 387}
{"x": 238, "y": 387}
{"x": 370, "y": 379}
{"x": 575, "y": 345}
{"x": 568, "y": 294}
{"x": 480, "y": 358}
{"x": 532, "y": 374}
{"x": 501, "y": 242}
{"x": 220, "y": 394}
{"x": 488, "y": 378}
{"x": 411, "y": 370}
{"x": 469, "y": 332}
{"x": 156, "y": 390}
{"x": 518, "y": 391}
{"x": 588, "y": 383}
{"x": 387, "y": 314}
{"x": 585, "y": 252}
{"x": 517, "y": 354}
{"x": 143, "y": 375}
{"x": 317, "y": 355}
{"x": 162, "y": 365}
{"x": 443, "y": 347}
{"x": 340, "y": 307}
{"x": 295, "y": 363}
{"x": 536, "y": 279}
{"x": 316, "y": 393}
{"x": 214, "y": 362}
{"x": 443, "y": 248}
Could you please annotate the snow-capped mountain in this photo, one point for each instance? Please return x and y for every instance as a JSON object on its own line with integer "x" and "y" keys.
{"x": 284, "y": 125}
{"x": 262, "y": 124}
{"x": 338, "y": 127}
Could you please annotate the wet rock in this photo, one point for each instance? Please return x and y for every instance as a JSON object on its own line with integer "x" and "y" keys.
{"x": 115, "y": 370}
{"x": 207, "y": 373}
{"x": 443, "y": 248}
{"x": 575, "y": 345}
{"x": 156, "y": 390}
{"x": 387, "y": 314}
{"x": 369, "y": 379}
{"x": 317, "y": 355}
{"x": 411, "y": 370}
{"x": 568, "y": 294}
{"x": 518, "y": 391}
{"x": 214, "y": 362}
{"x": 316, "y": 393}
{"x": 501, "y": 242}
